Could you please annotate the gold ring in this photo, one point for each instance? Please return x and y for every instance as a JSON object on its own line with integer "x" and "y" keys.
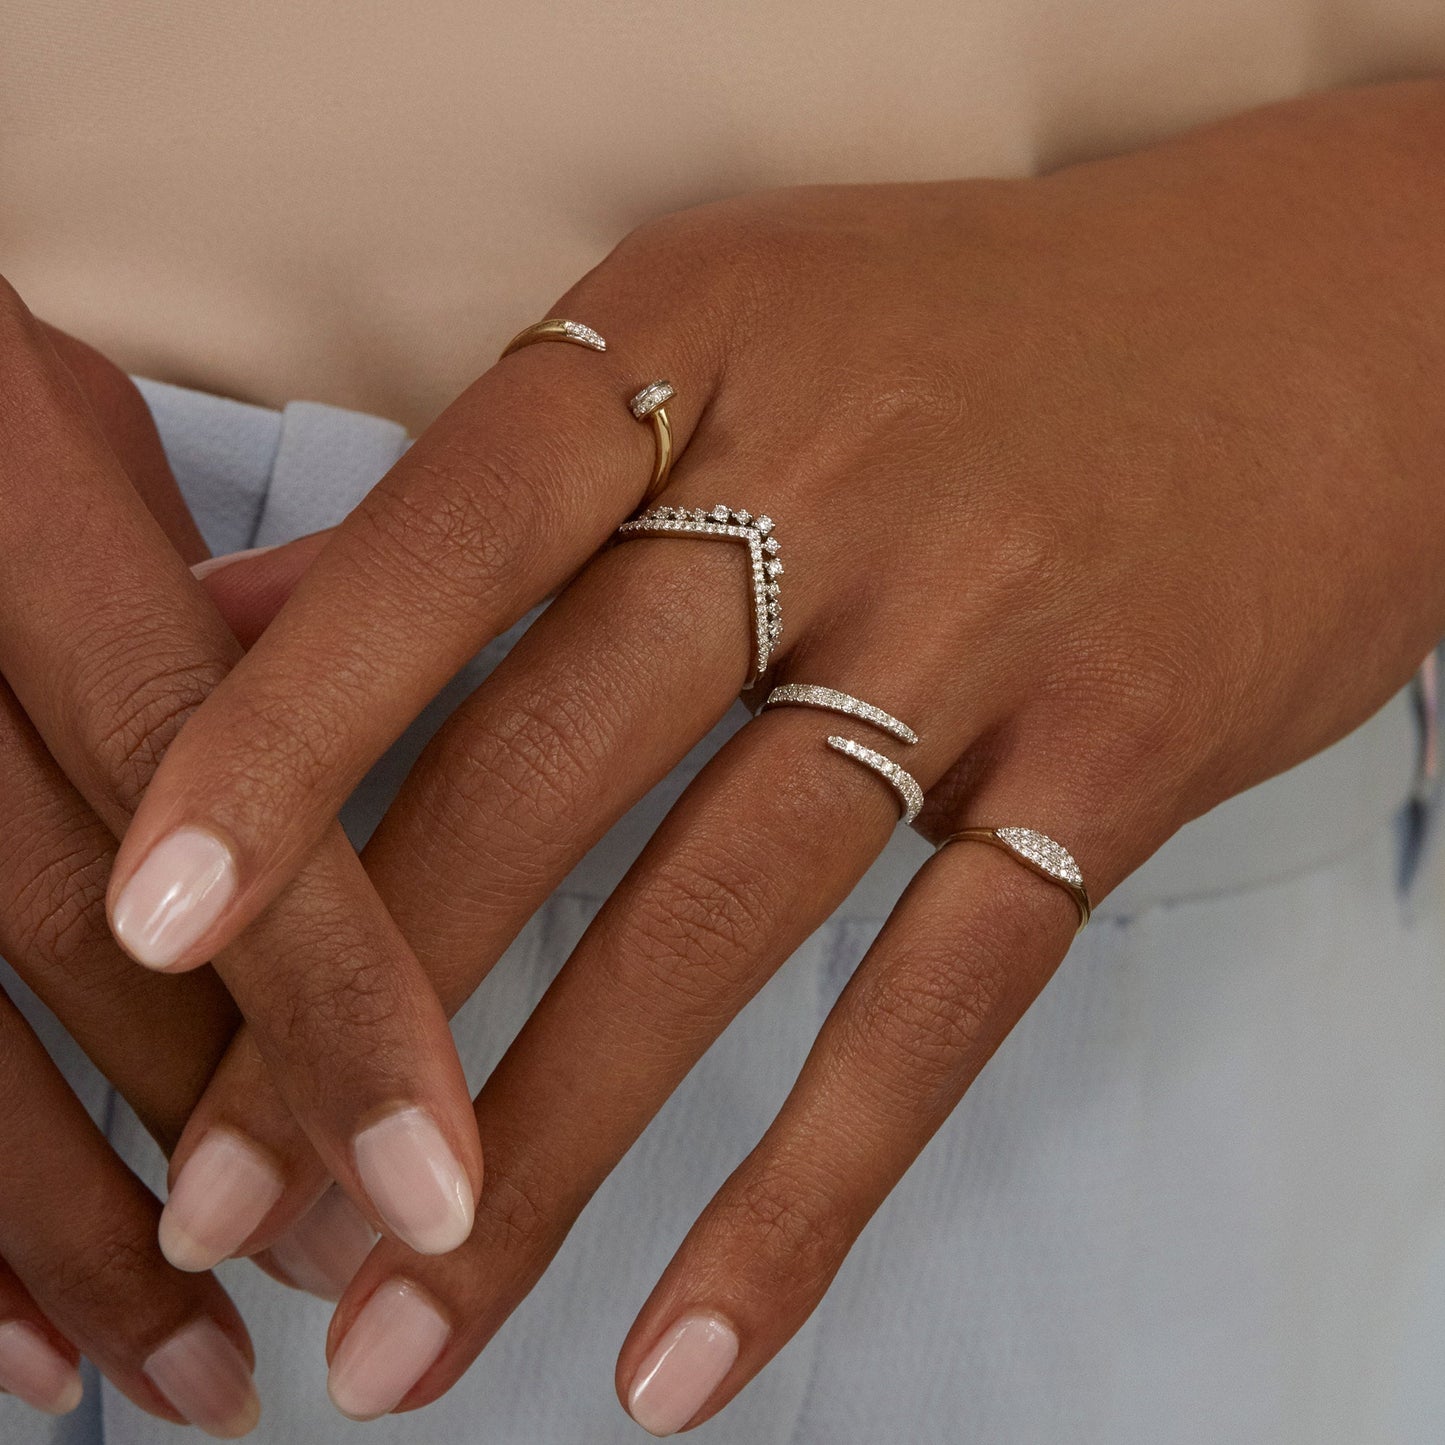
{"x": 648, "y": 405}
{"x": 554, "y": 328}
{"x": 1037, "y": 852}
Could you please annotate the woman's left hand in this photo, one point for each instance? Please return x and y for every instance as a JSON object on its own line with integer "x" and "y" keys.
{"x": 1122, "y": 487}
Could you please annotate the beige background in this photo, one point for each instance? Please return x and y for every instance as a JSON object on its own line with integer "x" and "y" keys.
{"x": 358, "y": 202}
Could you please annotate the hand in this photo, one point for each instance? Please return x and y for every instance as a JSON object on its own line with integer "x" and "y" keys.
{"x": 1119, "y": 486}
{"x": 107, "y": 641}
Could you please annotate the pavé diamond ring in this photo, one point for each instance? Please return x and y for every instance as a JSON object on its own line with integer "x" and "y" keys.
{"x": 1036, "y": 851}
{"x": 730, "y": 524}
{"x": 807, "y": 694}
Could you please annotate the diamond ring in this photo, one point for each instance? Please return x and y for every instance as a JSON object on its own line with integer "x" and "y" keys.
{"x": 554, "y": 328}
{"x": 1037, "y": 852}
{"x": 729, "y": 524}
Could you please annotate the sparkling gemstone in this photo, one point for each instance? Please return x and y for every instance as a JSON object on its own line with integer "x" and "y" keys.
{"x": 719, "y": 514}
{"x": 772, "y": 545}
{"x": 764, "y": 524}
{"x": 774, "y": 566}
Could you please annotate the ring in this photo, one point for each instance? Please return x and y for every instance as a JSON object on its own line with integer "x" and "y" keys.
{"x": 650, "y": 405}
{"x": 807, "y": 694}
{"x": 1037, "y": 852}
{"x": 554, "y": 328}
{"x": 910, "y": 795}
{"x": 730, "y": 524}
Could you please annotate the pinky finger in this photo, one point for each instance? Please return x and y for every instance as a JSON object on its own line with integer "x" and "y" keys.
{"x": 37, "y": 1363}
{"x": 966, "y": 951}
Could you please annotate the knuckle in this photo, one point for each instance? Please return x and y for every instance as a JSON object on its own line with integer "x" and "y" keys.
{"x": 57, "y": 914}
{"x": 335, "y": 1013}
{"x": 916, "y": 1029}
{"x": 132, "y": 723}
{"x": 98, "y": 1273}
{"x": 694, "y": 937}
{"x": 790, "y": 1228}
{"x": 514, "y": 1217}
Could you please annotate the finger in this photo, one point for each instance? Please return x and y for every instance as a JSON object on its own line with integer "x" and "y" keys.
{"x": 157, "y": 1039}
{"x": 129, "y": 430}
{"x": 78, "y": 1229}
{"x": 765, "y": 843}
{"x": 502, "y": 499}
{"x": 37, "y": 1363}
{"x": 965, "y": 953}
{"x": 248, "y": 589}
{"x": 108, "y": 643}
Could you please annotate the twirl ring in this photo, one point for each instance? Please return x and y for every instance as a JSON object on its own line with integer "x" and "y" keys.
{"x": 1037, "y": 852}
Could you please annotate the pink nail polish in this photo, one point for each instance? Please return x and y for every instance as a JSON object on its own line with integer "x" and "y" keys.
{"x": 680, "y": 1372}
{"x": 215, "y": 564}
{"x": 207, "y": 1380}
{"x": 391, "y": 1344}
{"x": 33, "y": 1370}
{"x": 225, "y": 1189}
{"x": 322, "y": 1251}
{"x": 412, "y": 1177}
{"x": 175, "y": 895}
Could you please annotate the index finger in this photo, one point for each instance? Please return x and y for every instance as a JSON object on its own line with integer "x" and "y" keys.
{"x": 501, "y": 500}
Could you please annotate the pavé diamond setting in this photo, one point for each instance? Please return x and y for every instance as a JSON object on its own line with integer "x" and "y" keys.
{"x": 910, "y": 795}
{"x": 1038, "y": 852}
{"x": 731, "y": 524}
{"x": 807, "y": 694}
{"x": 555, "y": 328}
{"x": 652, "y": 396}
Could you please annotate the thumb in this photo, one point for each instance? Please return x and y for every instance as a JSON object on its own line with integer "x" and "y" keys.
{"x": 250, "y": 588}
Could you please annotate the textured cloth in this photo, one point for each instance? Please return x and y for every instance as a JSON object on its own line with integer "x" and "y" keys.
{"x": 1197, "y": 1196}
{"x": 359, "y": 202}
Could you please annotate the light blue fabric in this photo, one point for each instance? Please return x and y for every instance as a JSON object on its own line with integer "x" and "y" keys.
{"x": 1198, "y": 1195}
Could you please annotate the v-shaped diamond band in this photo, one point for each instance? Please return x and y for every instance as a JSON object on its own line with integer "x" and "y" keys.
{"x": 730, "y": 524}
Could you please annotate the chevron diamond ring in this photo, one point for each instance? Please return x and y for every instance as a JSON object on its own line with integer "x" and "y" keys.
{"x": 735, "y": 525}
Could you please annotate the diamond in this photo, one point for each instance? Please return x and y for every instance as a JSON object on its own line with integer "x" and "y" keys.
{"x": 585, "y": 334}
{"x": 774, "y": 566}
{"x": 742, "y": 518}
{"x": 764, "y": 524}
{"x": 719, "y": 513}
{"x": 650, "y": 398}
{"x": 807, "y": 694}
{"x": 772, "y": 545}
{"x": 910, "y": 795}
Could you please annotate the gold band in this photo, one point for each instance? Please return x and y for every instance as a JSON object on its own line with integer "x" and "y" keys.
{"x": 1037, "y": 852}
{"x": 647, "y": 405}
{"x": 554, "y": 328}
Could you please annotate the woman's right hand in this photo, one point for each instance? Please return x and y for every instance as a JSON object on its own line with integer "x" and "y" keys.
{"x": 107, "y": 643}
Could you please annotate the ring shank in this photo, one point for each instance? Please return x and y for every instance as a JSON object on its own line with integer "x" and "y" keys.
{"x": 1076, "y": 891}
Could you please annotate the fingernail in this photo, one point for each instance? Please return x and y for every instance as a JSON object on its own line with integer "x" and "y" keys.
{"x": 684, "y": 1367}
{"x": 224, "y": 1190}
{"x": 207, "y": 1380}
{"x": 175, "y": 895}
{"x": 412, "y": 1177}
{"x": 322, "y": 1251}
{"x": 391, "y": 1344}
{"x": 33, "y": 1370}
{"x": 214, "y": 564}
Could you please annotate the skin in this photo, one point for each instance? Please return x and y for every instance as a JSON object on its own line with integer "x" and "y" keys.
{"x": 1119, "y": 486}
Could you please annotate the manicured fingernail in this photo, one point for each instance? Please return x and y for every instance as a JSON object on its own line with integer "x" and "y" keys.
{"x": 684, "y": 1367}
{"x": 207, "y": 1380}
{"x": 322, "y": 1251}
{"x": 33, "y": 1370}
{"x": 175, "y": 895}
{"x": 225, "y": 1189}
{"x": 412, "y": 1177}
{"x": 214, "y": 564}
{"x": 391, "y": 1344}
